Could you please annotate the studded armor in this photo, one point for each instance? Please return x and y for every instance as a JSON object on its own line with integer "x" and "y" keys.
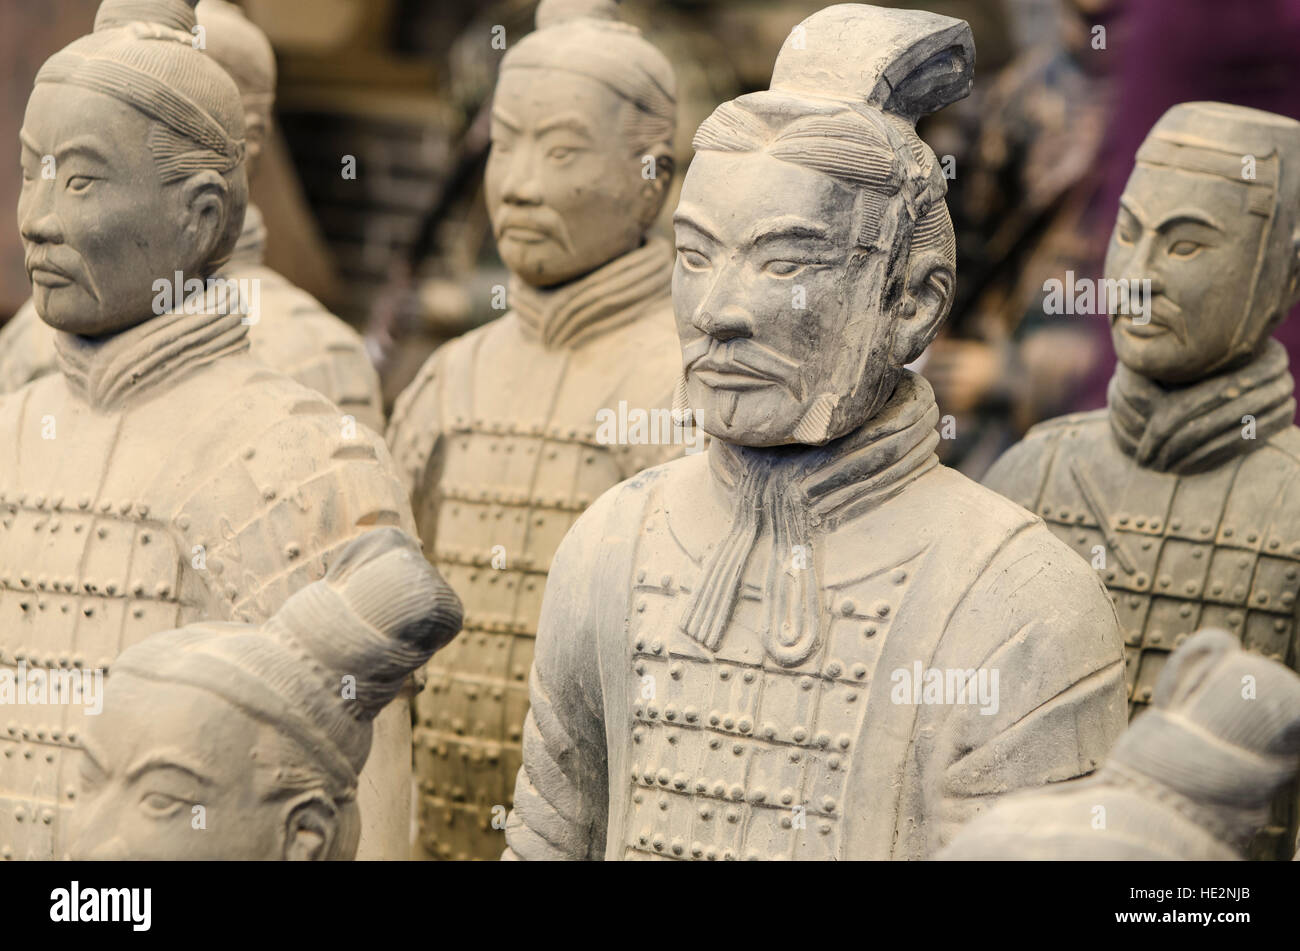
{"x": 1178, "y": 551}
{"x": 645, "y": 743}
{"x": 498, "y": 438}
{"x": 292, "y": 333}
{"x": 122, "y": 515}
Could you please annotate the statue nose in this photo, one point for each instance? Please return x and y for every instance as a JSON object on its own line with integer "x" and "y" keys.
{"x": 726, "y": 324}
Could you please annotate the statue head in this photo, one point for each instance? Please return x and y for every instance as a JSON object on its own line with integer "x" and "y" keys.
{"x": 1209, "y": 217}
{"x": 582, "y": 143}
{"x": 241, "y": 48}
{"x": 133, "y": 168}
{"x": 227, "y": 741}
{"x": 815, "y": 254}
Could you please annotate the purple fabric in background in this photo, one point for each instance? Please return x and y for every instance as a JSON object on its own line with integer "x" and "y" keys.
{"x": 1245, "y": 52}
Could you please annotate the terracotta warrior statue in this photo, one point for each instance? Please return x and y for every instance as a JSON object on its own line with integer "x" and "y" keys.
{"x": 509, "y": 432}
{"x": 162, "y": 476}
{"x": 814, "y": 641}
{"x": 289, "y": 330}
{"x": 253, "y": 736}
{"x": 1193, "y": 778}
{"x": 1185, "y": 493}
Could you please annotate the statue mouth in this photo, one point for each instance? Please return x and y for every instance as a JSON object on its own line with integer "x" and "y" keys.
{"x": 49, "y": 277}
{"x": 730, "y": 377}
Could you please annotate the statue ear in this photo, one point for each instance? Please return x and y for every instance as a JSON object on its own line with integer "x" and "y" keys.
{"x": 310, "y": 825}
{"x": 927, "y": 297}
{"x": 658, "y": 166}
{"x": 205, "y": 196}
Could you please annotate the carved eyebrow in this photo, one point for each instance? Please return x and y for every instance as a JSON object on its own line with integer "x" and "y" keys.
{"x": 510, "y": 124}
{"x": 683, "y": 219}
{"x": 570, "y": 123}
{"x": 788, "y": 229}
{"x": 165, "y": 760}
{"x": 1189, "y": 216}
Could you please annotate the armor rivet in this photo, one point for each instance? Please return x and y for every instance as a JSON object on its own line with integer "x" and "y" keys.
{"x": 663, "y": 805}
{"x": 719, "y": 788}
{"x": 662, "y": 776}
{"x": 1140, "y": 523}
{"x": 1261, "y": 598}
{"x": 806, "y": 683}
{"x": 657, "y": 647}
{"x": 882, "y": 608}
{"x": 1166, "y": 581}
{"x": 750, "y": 676}
{"x": 1234, "y": 618}
{"x": 670, "y": 713}
{"x": 769, "y": 731}
{"x": 679, "y": 781}
{"x": 724, "y": 673}
{"x": 799, "y": 734}
{"x": 640, "y": 576}
{"x": 714, "y": 718}
{"x": 1279, "y": 625}
{"x": 824, "y": 828}
{"x": 1206, "y": 529}
{"x": 677, "y": 845}
{"x": 846, "y": 607}
{"x": 1047, "y": 510}
{"x": 737, "y": 749}
{"x": 728, "y": 723}
{"x": 1185, "y": 611}
{"x": 785, "y": 822}
{"x": 697, "y": 849}
{"x": 1251, "y": 537}
{"x": 744, "y": 725}
{"x": 787, "y": 796}
{"x": 674, "y": 671}
{"x": 834, "y": 668}
{"x": 1123, "y": 519}
{"x": 692, "y": 714}
{"x": 1227, "y": 533}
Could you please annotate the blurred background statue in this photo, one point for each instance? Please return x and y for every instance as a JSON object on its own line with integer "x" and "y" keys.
{"x": 500, "y": 437}
{"x": 162, "y": 476}
{"x": 1185, "y": 492}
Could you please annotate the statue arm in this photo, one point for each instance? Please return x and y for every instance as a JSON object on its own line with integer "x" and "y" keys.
{"x": 561, "y": 800}
{"x": 413, "y": 436}
{"x": 1039, "y": 618}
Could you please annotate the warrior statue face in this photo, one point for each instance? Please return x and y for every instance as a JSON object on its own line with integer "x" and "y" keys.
{"x": 793, "y": 314}
{"x": 1202, "y": 218}
{"x": 199, "y": 785}
{"x": 98, "y": 225}
{"x": 564, "y": 183}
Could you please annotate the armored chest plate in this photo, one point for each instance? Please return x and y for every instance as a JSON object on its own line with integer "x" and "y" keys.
{"x": 79, "y": 582}
{"x": 735, "y": 756}
{"x": 494, "y": 543}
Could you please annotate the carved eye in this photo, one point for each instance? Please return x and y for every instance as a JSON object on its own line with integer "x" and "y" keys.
{"x": 1184, "y": 249}
{"x": 692, "y": 260}
{"x": 782, "y": 268}
{"x": 79, "y": 184}
{"x": 560, "y": 154}
{"x": 159, "y": 805}
{"x": 1126, "y": 232}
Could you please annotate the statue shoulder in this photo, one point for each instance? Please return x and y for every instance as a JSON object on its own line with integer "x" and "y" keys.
{"x": 1019, "y": 472}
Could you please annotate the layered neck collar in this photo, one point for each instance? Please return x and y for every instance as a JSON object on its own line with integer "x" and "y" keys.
{"x": 250, "y": 249}
{"x": 108, "y": 372}
{"x": 791, "y": 491}
{"x": 1193, "y": 428}
{"x": 611, "y": 295}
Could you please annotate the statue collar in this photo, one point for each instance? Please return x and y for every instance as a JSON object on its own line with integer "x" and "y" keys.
{"x": 611, "y": 295}
{"x": 1193, "y": 428}
{"x": 250, "y": 249}
{"x": 792, "y": 491}
{"x": 109, "y": 372}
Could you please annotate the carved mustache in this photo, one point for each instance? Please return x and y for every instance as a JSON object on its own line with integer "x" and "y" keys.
{"x": 546, "y": 225}
{"x": 744, "y": 357}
